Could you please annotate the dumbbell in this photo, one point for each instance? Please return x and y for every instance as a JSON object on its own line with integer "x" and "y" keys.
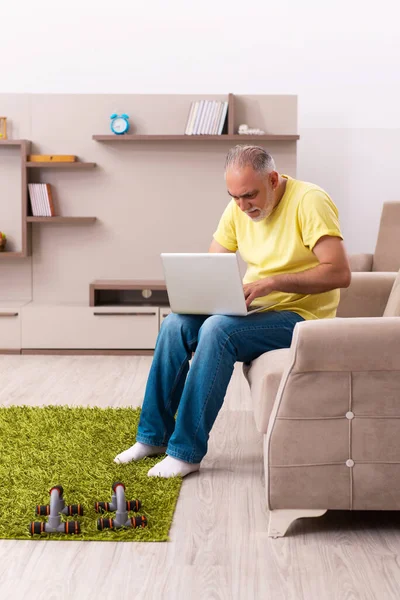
{"x": 53, "y": 511}
{"x": 121, "y": 506}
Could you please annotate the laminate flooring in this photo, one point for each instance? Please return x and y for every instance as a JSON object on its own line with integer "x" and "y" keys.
{"x": 219, "y": 547}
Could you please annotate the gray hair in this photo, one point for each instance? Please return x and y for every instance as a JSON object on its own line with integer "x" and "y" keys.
{"x": 253, "y": 156}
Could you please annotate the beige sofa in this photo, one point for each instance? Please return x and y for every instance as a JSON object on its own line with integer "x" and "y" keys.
{"x": 329, "y": 408}
{"x": 387, "y": 251}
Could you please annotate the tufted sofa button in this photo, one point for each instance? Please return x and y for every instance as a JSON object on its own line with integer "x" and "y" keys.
{"x": 349, "y": 463}
{"x": 349, "y": 415}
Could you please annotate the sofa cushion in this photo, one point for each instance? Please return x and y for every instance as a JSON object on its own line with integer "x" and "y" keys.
{"x": 393, "y": 305}
{"x": 264, "y": 376}
{"x": 387, "y": 251}
{"x": 361, "y": 262}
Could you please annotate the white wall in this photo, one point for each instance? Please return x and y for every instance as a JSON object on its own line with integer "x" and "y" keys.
{"x": 341, "y": 58}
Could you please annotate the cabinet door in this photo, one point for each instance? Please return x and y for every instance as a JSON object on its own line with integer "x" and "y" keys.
{"x": 68, "y": 327}
{"x": 164, "y": 312}
{"x": 10, "y": 329}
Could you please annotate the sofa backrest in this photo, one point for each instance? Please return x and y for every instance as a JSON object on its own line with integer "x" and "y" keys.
{"x": 393, "y": 305}
{"x": 387, "y": 251}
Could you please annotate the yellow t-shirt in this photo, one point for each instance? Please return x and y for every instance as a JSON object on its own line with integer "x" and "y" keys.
{"x": 283, "y": 243}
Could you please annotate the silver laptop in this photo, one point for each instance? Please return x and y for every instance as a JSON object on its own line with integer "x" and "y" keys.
{"x": 205, "y": 284}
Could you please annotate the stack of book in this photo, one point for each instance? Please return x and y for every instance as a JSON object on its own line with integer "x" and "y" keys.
{"x": 206, "y": 117}
{"x": 41, "y": 199}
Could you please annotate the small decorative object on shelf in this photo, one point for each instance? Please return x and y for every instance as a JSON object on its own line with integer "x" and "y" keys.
{"x": 246, "y": 130}
{"x": 3, "y": 241}
{"x": 3, "y": 128}
{"x": 119, "y": 124}
{"x": 51, "y": 158}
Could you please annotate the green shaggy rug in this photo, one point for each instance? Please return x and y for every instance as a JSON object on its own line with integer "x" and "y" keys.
{"x": 74, "y": 447}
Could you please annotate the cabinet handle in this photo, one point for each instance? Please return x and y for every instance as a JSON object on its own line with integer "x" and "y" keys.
{"x": 8, "y": 314}
{"x": 123, "y": 314}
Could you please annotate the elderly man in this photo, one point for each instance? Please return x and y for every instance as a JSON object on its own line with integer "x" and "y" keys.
{"x": 288, "y": 233}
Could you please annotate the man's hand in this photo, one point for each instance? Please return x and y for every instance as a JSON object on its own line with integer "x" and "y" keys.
{"x": 257, "y": 289}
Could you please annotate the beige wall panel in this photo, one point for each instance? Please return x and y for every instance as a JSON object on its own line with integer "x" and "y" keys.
{"x": 17, "y": 109}
{"x": 272, "y": 114}
{"x": 16, "y": 279}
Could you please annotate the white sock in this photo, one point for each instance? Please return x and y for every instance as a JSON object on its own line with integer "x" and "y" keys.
{"x": 139, "y": 451}
{"x": 170, "y": 467}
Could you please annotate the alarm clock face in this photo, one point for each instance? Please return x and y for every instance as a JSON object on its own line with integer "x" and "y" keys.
{"x": 119, "y": 125}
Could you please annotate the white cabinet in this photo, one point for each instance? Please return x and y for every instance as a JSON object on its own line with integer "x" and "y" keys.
{"x": 91, "y": 327}
{"x": 10, "y": 329}
{"x": 10, "y": 325}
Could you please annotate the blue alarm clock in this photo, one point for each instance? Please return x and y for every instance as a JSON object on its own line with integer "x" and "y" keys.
{"x": 119, "y": 123}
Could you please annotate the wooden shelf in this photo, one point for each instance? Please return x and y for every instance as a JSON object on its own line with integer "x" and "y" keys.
{"x": 72, "y": 220}
{"x": 12, "y": 142}
{"x": 229, "y": 134}
{"x": 61, "y": 165}
{"x": 190, "y": 138}
{"x": 6, "y": 254}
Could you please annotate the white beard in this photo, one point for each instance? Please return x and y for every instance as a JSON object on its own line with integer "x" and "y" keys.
{"x": 264, "y": 213}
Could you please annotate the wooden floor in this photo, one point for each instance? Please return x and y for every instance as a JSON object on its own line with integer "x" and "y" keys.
{"x": 219, "y": 547}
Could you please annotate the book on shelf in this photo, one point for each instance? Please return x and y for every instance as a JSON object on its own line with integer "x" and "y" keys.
{"x": 190, "y": 117}
{"x": 206, "y": 117}
{"x": 210, "y": 111}
{"x": 223, "y": 117}
{"x": 41, "y": 198}
{"x": 199, "y": 113}
{"x": 216, "y": 117}
{"x": 193, "y": 118}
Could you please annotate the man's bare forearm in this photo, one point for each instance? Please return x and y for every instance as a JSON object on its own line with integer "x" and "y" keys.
{"x": 317, "y": 280}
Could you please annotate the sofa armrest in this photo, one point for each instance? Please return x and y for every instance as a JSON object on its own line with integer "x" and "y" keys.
{"x": 364, "y": 344}
{"x": 361, "y": 262}
{"x": 367, "y": 295}
{"x": 332, "y": 439}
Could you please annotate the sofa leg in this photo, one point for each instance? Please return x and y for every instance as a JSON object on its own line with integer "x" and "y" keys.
{"x": 281, "y": 519}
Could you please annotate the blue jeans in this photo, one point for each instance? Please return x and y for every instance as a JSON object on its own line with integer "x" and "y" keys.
{"x": 198, "y": 393}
